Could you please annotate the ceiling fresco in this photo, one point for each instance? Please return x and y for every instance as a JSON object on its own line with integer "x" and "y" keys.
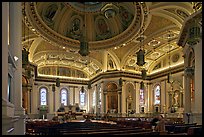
{"x": 115, "y": 32}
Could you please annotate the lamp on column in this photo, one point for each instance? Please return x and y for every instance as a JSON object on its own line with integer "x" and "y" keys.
{"x": 53, "y": 87}
{"x": 194, "y": 33}
{"x": 58, "y": 82}
{"x": 82, "y": 89}
{"x": 120, "y": 82}
{"x": 89, "y": 85}
{"x": 144, "y": 74}
{"x": 141, "y": 85}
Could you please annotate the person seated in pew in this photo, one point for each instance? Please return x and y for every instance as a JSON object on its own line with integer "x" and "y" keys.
{"x": 161, "y": 124}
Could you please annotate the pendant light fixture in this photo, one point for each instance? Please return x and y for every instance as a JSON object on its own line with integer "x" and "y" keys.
{"x": 169, "y": 76}
{"x": 58, "y": 80}
{"x": 25, "y": 53}
{"x": 84, "y": 45}
{"x": 141, "y": 52}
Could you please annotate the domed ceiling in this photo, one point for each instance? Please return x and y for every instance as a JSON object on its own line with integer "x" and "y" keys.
{"x": 114, "y": 32}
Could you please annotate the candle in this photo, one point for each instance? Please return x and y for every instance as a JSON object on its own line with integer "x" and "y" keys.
{"x": 43, "y": 117}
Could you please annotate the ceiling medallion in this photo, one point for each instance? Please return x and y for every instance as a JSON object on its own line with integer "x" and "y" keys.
{"x": 110, "y": 10}
{"x": 88, "y": 7}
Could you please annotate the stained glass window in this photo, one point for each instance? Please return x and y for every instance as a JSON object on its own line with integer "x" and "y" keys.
{"x": 82, "y": 98}
{"x": 141, "y": 96}
{"x": 64, "y": 97}
{"x": 157, "y": 95}
{"x": 9, "y": 88}
{"x": 100, "y": 96}
{"x": 94, "y": 98}
{"x": 43, "y": 96}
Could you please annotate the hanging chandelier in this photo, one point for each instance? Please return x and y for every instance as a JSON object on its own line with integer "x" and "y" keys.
{"x": 140, "y": 57}
{"x": 169, "y": 75}
{"x": 25, "y": 53}
{"x": 84, "y": 45}
{"x": 141, "y": 52}
{"x": 84, "y": 48}
{"x": 58, "y": 80}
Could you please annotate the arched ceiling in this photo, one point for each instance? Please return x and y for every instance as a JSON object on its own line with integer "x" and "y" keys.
{"x": 56, "y": 29}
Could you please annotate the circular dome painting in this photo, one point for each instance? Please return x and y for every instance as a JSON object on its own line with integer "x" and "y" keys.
{"x": 103, "y": 25}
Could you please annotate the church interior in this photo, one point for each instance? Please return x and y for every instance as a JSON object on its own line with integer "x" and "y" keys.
{"x": 107, "y": 68}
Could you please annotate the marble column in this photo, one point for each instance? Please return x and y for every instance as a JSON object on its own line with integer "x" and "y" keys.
{"x": 119, "y": 101}
{"x": 97, "y": 101}
{"x": 29, "y": 100}
{"x": 5, "y": 33}
{"x": 16, "y": 46}
{"x": 73, "y": 95}
{"x": 163, "y": 96}
{"x": 54, "y": 105}
{"x": 187, "y": 96}
{"x": 198, "y": 83}
{"x": 137, "y": 85}
{"x": 102, "y": 97}
{"x": 104, "y": 101}
{"x": 148, "y": 92}
{"x": 105, "y": 59}
{"x": 123, "y": 100}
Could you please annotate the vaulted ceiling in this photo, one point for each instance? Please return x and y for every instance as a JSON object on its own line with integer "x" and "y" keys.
{"x": 115, "y": 33}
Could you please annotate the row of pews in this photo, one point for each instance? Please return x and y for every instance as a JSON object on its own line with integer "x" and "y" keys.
{"x": 185, "y": 129}
{"x": 120, "y": 126}
{"x": 85, "y": 128}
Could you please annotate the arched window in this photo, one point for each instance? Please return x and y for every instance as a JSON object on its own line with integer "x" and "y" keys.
{"x": 142, "y": 101}
{"x": 82, "y": 98}
{"x": 157, "y": 95}
{"x": 100, "y": 98}
{"x": 94, "y": 98}
{"x": 43, "y": 96}
{"x": 64, "y": 96}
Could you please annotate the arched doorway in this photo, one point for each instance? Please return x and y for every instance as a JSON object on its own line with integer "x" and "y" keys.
{"x": 112, "y": 97}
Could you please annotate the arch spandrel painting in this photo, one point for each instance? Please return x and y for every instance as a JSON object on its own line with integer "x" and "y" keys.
{"x": 102, "y": 29}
